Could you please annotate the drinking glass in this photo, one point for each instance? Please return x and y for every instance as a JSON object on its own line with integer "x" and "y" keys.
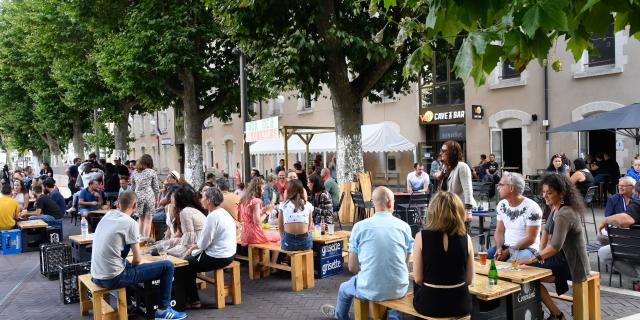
{"x": 514, "y": 261}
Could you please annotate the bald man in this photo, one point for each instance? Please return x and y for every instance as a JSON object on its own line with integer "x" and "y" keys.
{"x": 379, "y": 248}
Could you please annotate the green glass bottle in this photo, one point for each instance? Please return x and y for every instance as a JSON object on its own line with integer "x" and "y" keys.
{"x": 493, "y": 273}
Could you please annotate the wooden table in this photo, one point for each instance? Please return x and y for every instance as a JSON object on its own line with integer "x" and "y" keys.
{"x": 32, "y": 224}
{"x": 330, "y": 238}
{"x": 528, "y": 299}
{"x": 100, "y": 211}
{"x": 81, "y": 240}
{"x": 481, "y": 289}
{"x": 177, "y": 262}
{"x": 525, "y": 275}
{"x": 148, "y": 292}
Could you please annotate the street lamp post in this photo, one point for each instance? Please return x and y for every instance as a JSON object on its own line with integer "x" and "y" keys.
{"x": 156, "y": 123}
{"x": 246, "y": 160}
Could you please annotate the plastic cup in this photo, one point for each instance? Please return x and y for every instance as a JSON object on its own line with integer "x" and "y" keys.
{"x": 483, "y": 257}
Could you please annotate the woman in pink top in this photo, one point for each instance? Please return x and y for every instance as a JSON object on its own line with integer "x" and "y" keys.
{"x": 253, "y": 214}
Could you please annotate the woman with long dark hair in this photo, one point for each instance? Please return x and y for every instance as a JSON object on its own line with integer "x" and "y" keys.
{"x": 557, "y": 166}
{"x": 320, "y": 200}
{"x": 582, "y": 177}
{"x": 456, "y": 175}
{"x": 188, "y": 221}
{"x": 562, "y": 246}
{"x": 21, "y": 194}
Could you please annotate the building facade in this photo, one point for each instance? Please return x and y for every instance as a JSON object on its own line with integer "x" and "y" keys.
{"x": 507, "y": 116}
{"x": 518, "y": 108}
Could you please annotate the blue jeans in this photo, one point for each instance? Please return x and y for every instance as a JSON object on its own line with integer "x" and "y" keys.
{"x": 296, "y": 242}
{"x": 43, "y": 217}
{"x": 132, "y": 275}
{"x": 345, "y": 297}
{"x": 521, "y": 254}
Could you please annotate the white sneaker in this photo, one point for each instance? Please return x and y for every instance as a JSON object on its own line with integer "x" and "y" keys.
{"x": 71, "y": 210}
{"x": 328, "y": 311}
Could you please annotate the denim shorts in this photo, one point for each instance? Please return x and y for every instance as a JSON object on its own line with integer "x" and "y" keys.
{"x": 296, "y": 242}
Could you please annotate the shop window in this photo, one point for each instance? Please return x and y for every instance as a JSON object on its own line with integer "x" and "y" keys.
{"x": 509, "y": 71}
{"x": 440, "y": 86}
{"x": 606, "y": 48}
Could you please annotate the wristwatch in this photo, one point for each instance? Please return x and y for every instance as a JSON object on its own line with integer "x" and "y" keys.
{"x": 538, "y": 257}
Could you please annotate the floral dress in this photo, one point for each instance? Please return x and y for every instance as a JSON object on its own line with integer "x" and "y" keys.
{"x": 253, "y": 233}
{"x": 146, "y": 186}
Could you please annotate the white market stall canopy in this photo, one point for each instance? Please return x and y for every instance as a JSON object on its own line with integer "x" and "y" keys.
{"x": 379, "y": 137}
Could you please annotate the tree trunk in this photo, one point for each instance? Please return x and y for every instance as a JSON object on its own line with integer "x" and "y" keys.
{"x": 37, "y": 154}
{"x": 78, "y": 140}
{"x": 121, "y": 130}
{"x": 193, "y": 120}
{"x": 348, "y": 119}
{"x": 54, "y": 149}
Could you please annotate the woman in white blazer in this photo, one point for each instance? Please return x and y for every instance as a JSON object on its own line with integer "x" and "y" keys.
{"x": 456, "y": 175}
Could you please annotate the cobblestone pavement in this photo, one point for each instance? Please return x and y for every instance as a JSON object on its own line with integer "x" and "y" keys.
{"x": 25, "y": 294}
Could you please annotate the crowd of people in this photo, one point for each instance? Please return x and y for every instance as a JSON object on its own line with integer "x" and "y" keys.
{"x": 204, "y": 226}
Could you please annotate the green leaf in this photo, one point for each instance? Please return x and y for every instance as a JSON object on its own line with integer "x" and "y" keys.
{"x": 589, "y": 5}
{"x": 389, "y": 3}
{"x": 431, "y": 19}
{"x": 577, "y": 45}
{"x": 373, "y": 8}
{"x": 464, "y": 61}
{"x": 531, "y": 20}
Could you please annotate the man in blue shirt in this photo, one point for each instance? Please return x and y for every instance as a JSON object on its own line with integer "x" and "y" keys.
{"x": 379, "y": 250}
{"x": 618, "y": 202}
{"x": 89, "y": 199}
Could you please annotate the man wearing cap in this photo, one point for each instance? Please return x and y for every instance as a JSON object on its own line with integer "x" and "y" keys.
{"x": 121, "y": 169}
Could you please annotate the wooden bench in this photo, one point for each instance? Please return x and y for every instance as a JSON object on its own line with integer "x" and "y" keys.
{"x": 222, "y": 290}
{"x": 479, "y": 289}
{"x": 379, "y": 308}
{"x": 98, "y": 301}
{"x": 301, "y": 264}
{"x": 585, "y": 299}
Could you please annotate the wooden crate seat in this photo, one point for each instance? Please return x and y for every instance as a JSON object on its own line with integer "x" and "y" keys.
{"x": 301, "y": 267}
{"x": 222, "y": 290}
{"x": 94, "y": 297}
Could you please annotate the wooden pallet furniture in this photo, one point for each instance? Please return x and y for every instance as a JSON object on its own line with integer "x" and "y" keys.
{"x": 585, "y": 299}
{"x": 301, "y": 267}
{"x": 98, "y": 301}
{"x": 480, "y": 289}
{"x": 222, "y": 290}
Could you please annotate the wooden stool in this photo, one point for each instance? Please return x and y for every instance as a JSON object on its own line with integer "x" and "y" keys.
{"x": 101, "y": 307}
{"x": 301, "y": 264}
{"x": 586, "y": 298}
{"x": 379, "y": 308}
{"x": 223, "y": 290}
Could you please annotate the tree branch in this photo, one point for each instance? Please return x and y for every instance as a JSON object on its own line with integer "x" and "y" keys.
{"x": 369, "y": 77}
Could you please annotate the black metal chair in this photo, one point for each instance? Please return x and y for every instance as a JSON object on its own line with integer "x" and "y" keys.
{"x": 588, "y": 201}
{"x": 360, "y": 204}
{"x": 336, "y": 210}
{"x": 625, "y": 245}
{"x": 418, "y": 201}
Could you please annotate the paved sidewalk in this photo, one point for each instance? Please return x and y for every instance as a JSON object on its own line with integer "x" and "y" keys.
{"x": 25, "y": 294}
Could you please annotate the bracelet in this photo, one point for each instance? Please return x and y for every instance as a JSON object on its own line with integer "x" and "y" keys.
{"x": 538, "y": 257}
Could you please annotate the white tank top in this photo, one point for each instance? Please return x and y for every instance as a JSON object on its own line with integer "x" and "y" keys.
{"x": 290, "y": 214}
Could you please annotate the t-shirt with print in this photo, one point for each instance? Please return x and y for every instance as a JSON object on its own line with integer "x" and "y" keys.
{"x": 516, "y": 220}
{"x": 114, "y": 231}
{"x": 491, "y": 166}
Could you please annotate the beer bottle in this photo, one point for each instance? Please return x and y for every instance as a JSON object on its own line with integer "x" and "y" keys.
{"x": 493, "y": 273}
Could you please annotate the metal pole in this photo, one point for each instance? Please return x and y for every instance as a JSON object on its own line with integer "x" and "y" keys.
{"x": 158, "y": 139}
{"x": 286, "y": 150}
{"x": 246, "y": 160}
{"x": 95, "y": 132}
